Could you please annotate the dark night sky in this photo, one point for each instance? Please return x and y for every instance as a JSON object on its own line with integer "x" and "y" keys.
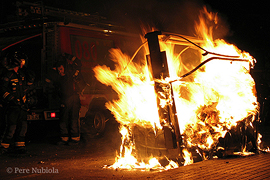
{"x": 247, "y": 24}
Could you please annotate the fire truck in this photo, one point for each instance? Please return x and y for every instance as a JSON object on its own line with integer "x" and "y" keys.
{"x": 44, "y": 33}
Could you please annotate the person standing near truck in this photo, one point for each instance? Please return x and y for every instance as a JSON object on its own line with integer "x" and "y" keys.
{"x": 3, "y": 70}
{"x": 69, "y": 85}
{"x": 13, "y": 94}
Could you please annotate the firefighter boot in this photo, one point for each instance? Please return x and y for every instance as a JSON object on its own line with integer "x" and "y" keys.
{"x": 74, "y": 141}
{"x": 63, "y": 141}
{"x": 20, "y": 148}
{"x": 4, "y": 148}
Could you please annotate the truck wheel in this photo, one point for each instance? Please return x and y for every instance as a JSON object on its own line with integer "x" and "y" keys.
{"x": 99, "y": 123}
{"x": 93, "y": 125}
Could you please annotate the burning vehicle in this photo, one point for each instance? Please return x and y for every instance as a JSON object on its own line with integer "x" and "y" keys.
{"x": 189, "y": 99}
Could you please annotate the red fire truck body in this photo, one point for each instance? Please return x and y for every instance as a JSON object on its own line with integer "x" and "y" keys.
{"x": 44, "y": 33}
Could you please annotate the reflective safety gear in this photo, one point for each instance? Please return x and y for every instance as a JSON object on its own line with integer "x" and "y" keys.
{"x": 75, "y": 138}
{"x": 13, "y": 85}
{"x": 5, "y": 145}
{"x": 19, "y": 144}
{"x": 65, "y": 139}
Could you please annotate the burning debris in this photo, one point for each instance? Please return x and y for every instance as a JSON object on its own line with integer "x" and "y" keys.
{"x": 191, "y": 101}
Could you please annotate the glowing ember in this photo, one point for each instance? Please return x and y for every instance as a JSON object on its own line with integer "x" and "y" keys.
{"x": 188, "y": 157}
{"x": 260, "y": 146}
{"x": 210, "y": 99}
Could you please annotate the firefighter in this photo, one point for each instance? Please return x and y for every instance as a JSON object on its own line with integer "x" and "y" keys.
{"x": 74, "y": 65}
{"x": 12, "y": 91}
{"x": 3, "y": 70}
{"x": 68, "y": 85}
{"x": 29, "y": 86}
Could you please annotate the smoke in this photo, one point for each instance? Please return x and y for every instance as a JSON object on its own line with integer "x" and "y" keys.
{"x": 176, "y": 16}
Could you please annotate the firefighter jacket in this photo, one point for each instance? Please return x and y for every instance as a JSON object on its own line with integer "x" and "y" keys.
{"x": 66, "y": 86}
{"x": 74, "y": 68}
{"x": 3, "y": 71}
{"x": 12, "y": 88}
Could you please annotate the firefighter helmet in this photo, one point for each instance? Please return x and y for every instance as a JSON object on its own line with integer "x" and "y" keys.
{"x": 16, "y": 59}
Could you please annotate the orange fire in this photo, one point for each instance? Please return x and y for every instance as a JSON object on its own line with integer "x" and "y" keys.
{"x": 209, "y": 101}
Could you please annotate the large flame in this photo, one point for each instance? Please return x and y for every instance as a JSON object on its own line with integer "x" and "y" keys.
{"x": 208, "y": 102}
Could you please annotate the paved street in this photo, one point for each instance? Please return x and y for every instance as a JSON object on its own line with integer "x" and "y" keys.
{"x": 45, "y": 160}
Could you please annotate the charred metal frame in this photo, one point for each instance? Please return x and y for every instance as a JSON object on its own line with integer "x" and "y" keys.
{"x": 157, "y": 64}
